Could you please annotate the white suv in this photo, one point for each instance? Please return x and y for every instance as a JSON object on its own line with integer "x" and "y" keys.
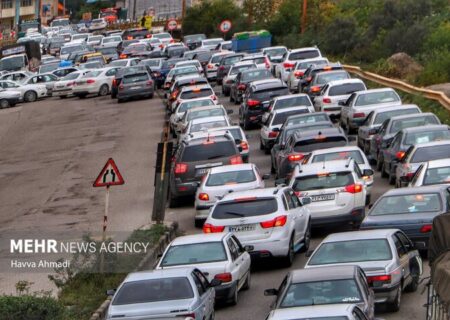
{"x": 290, "y": 58}
{"x": 272, "y": 222}
{"x": 222, "y": 180}
{"x": 337, "y": 191}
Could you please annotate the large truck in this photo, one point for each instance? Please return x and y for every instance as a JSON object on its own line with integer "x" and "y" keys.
{"x": 26, "y": 26}
{"x": 252, "y": 41}
{"x": 25, "y": 56}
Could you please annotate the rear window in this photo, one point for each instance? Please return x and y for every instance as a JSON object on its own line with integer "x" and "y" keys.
{"x": 227, "y": 46}
{"x": 347, "y": 88}
{"x": 205, "y": 113}
{"x": 355, "y": 155}
{"x": 398, "y": 125}
{"x": 194, "y": 253}
{"x": 320, "y": 143}
{"x": 305, "y": 65}
{"x": 245, "y": 208}
{"x": 230, "y": 178}
{"x": 323, "y": 181}
{"x": 293, "y": 102}
{"x": 311, "y": 118}
{"x": 425, "y": 137}
{"x": 382, "y": 116}
{"x": 228, "y": 61}
{"x": 135, "y": 78}
{"x": 152, "y": 62}
{"x": 203, "y": 56}
{"x": 437, "y": 176}
{"x": 110, "y": 50}
{"x": 376, "y": 97}
{"x": 196, "y": 94}
{"x": 236, "y": 70}
{"x": 256, "y": 74}
{"x": 431, "y": 153}
{"x": 407, "y": 203}
{"x": 304, "y": 55}
{"x": 208, "y": 151}
{"x": 326, "y": 77}
{"x": 270, "y": 93}
{"x": 154, "y": 290}
{"x": 280, "y": 118}
{"x": 216, "y": 59}
{"x": 207, "y": 125}
{"x": 192, "y": 104}
{"x": 290, "y": 131}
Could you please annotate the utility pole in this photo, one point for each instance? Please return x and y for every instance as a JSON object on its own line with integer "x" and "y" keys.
{"x": 183, "y": 9}
{"x": 304, "y": 14}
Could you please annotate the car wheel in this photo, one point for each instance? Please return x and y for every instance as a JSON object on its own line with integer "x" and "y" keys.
{"x": 307, "y": 239}
{"x": 104, "y": 89}
{"x": 414, "y": 285}
{"x": 383, "y": 170}
{"x": 368, "y": 199}
{"x": 120, "y": 100}
{"x": 30, "y": 96}
{"x": 234, "y": 298}
{"x": 231, "y": 97}
{"x": 150, "y": 96}
{"x": 394, "y": 306}
{"x": 173, "y": 203}
{"x": 380, "y": 162}
{"x": 348, "y": 129}
{"x": 272, "y": 168}
{"x": 261, "y": 145}
{"x": 289, "y": 259}
{"x": 113, "y": 95}
{"x": 246, "y": 285}
{"x": 391, "y": 179}
{"x": 199, "y": 223}
{"x": 225, "y": 92}
{"x": 4, "y": 104}
{"x": 62, "y": 97}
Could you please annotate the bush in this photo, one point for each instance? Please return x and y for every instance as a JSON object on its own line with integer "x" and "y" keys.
{"x": 436, "y": 68}
{"x": 31, "y": 308}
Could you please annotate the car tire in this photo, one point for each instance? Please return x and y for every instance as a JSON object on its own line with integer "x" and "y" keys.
{"x": 173, "y": 203}
{"x": 199, "y": 223}
{"x": 391, "y": 179}
{"x": 4, "y": 104}
{"x": 247, "y": 282}
{"x": 234, "y": 299}
{"x": 103, "y": 91}
{"x": 231, "y": 97}
{"x": 261, "y": 145}
{"x": 150, "y": 96}
{"x": 120, "y": 100}
{"x": 414, "y": 285}
{"x": 225, "y": 92}
{"x": 383, "y": 170}
{"x": 394, "y": 306}
{"x": 368, "y": 199}
{"x": 379, "y": 162}
{"x": 289, "y": 259}
{"x": 62, "y": 97}
{"x": 82, "y": 96}
{"x": 272, "y": 168}
{"x": 30, "y": 96}
{"x": 307, "y": 238}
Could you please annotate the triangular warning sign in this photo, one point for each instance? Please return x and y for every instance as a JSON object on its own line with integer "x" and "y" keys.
{"x": 109, "y": 176}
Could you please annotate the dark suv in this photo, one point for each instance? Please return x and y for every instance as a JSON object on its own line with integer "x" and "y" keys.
{"x": 243, "y": 79}
{"x": 195, "y": 156}
{"x": 312, "y": 70}
{"x": 257, "y": 98}
{"x": 300, "y": 143}
{"x": 320, "y": 79}
{"x": 225, "y": 65}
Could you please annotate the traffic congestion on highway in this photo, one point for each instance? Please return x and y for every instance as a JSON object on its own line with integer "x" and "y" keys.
{"x": 304, "y": 193}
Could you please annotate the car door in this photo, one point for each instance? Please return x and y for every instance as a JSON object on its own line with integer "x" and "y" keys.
{"x": 296, "y": 213}
{"x": 403, "y": 258}
{"x": 358, "y": 314}
{"x": 369, "y": 295}
{"x": 206, "y": 294}
{"x": 389, "y": 154}
{"x": 414, "y": 259}
{"x": 244, "y": 260}
{"x": 346, "y": 107}
{"x": 376, "y": 141}
{"x": 236, "y": 262}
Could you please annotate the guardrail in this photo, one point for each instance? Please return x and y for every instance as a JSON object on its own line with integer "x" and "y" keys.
{"x": 398, "y": 84}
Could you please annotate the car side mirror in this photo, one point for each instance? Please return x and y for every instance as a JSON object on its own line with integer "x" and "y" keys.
{"x": 309, "y": 253}
{"x": 305, "y": 201}
{"x": 215, "y": 283}
{"x": 276, "y": 129}
{"x": 280, "y": 182}
{"x": 368, "y": 172}
{"x": 249, "y": 248}
{"x": 370, "y": 206}
{"x": 159, "y": 255}
{"x": 110, "y": 292}
{"x": 266, "y": 176}
{"x": 229, "y": 111}
{"x": 420, "y": 245}
{"x": 271, "y": 292}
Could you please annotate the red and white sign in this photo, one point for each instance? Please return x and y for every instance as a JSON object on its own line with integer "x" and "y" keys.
{"x": 225, "y": 26}
{"x": 109, "y": 176}
{"x": 172, "y": 24}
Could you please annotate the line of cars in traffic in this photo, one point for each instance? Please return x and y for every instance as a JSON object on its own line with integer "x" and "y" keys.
{"x": 307, "y": 109}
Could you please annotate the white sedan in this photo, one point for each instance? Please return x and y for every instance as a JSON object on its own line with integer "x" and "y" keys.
{"x": 64, "y": 87}
{"x": 219, "y": 256}
{"x": 97, "y": 82}
{"x": 28, "y": 92}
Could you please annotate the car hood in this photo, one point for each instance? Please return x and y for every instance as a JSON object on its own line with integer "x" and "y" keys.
{"x": 152, "y": 309}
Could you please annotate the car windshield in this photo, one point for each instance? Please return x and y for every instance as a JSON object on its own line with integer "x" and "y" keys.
{"x": 118, "y": 63}
{"x": 92, "y": 74}
{"x": 428, "y": 136}
{"x": 216, "y": 59}
{"x": 354, "y": 154}
{"x": 230, "y": 178}
{"x": 193, "y": 104}
{"x": 245, "y": 207}
{"x": 152, "y": 62}
{"x": 227, "y": 46}
{"x": 208, "y": 151}
{"x": 351, "y": 251}
{"x": 398, "y": 125}
{"x": 228, "y": 61}
{"x": 196, "y": 94}
{"x": 196, "y": 114}
{"x": 237, "y": 69}
{"x": 270, "y": 93}
{"x": 281, "y": 117}
{"x": 95, "y": 38}
{"x": 140, "y": 77}
{"x": 367, "y": 99}
{"x": 162, "y": 36}
{"x": 70, "y": 49}
{"x": 207, "y": 125}
{"x": 256, "y": 74}
{"x": 304, "y": 55}
{"x": 311, "y": 118}
{"x": 212, "y": 42}
{"x": 135, "y": 48}
{"x": 326, "y": 77}
{"x": 183, "y": 70}
{"x": 48, "y": 67}
{"x": 382, "y": 116}
{"x": 321, "y": 292}
{"x": 111, "y": 50}
{"x": 194, "y": 38}
{"x": 71, "y": 76}
{"x": 431, "y": 153}
{"x": 345, "y": 89}
{"x": 111, "y": 39}
{"x": 292, "y": 102}
{"x": 437, "y": 176}
{"x": 153, "y": 290}
{"x": 195, "y": 253}
{"x": 323, "y": 181}
{"x": 306, "y": 64}
{"x": 320, "y": 142}
{"x": 275, "y": 52}
{"x": 408, "y": 203}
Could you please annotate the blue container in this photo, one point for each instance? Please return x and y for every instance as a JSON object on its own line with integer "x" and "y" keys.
{"x": 252, "y": 44}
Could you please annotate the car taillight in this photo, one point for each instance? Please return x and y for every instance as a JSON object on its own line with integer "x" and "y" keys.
{"x": 253, "y": 103}
{"x": 70, "y": 84}
{"x": 203, "y": 197}
{"x": 273, "y": 134}
{"x": 221, "y": 68}
{"x": 359, "y": 115}
{"x": 148, "y": 35}
{"x": 399, "y": 155}
{"x": 426, "y": 228}
{"x": 410, "y": 175}
{"x": 295, "y": 157}
{"x": 210, "y": 66}
{"x": 123, "y": 56}
{"x": 277, "y": 222}
{"x": 114, "y": 82}
{"x": 242, "y": 87}
{"x": 298, "y": 193}
{"x": 181, "y": 168}
{"x": 209, "y": 228}
{"x": 161, "y": 46}
{"x": 299, "y": 74}
{"x": 172, "y": 41}
{"x": 214, "y": 97}
{"x": 353, "y": 188}
{"x": 150, "y": 83}
{"x": 236, "y": 160}
{"x": 230, "y": 81}
{"x": 244, "y": 145}
{"x": 90, "y": 81}
{"x": 224, "y": 277}
{"x": 385, "y": 278}
{"x": 288, "y": 65}
{"x": 315, "y": 89}
{"x": 326, "y": 100}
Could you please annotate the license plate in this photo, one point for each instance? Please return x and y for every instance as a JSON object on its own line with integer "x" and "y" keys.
{"x": 244, "y": 228}
{"x": 323, "y": 197}
{"x": 201, "y": 172}
{"x": 135, "y": 88}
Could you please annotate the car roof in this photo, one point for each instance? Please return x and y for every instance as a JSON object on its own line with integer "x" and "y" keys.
{"x": 290, "y": 96}
{"x": 359, "y": 235}
{"x": 329, "y": 166}
{"x": 337, "y": 149}
{"x": 439, "y": 163}
{"x": 394, "y": 107}
{"x": 158, "y": 274}
{"x": 198, "y": 238}
{"x": 416, "y": 190}
{"x": 258, "y": 193}
{"x": 324, "y": 131}
{"x": 210, "y": 107}
{"x": 208, "y": 119}
{"x": 232, "y": 168}
{"x": 243, "y": 63}
{"x": 429, "y": 127}
{"x": 199, "y": 86}
{"x": 374, "y": 90}
{"x": 432, "y": 144}
{"x": 344, "y": 81}
{"x": 315, "y": 311}
{"x": 303, "y": 49}
{"x": 324, "y": 273}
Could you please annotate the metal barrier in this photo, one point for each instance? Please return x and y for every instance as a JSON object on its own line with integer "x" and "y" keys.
{"x": 398, "y": 84}
{"x": 436, "y": 309}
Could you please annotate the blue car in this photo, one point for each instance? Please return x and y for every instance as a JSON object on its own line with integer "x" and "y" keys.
{"x": 160, "y": 77}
